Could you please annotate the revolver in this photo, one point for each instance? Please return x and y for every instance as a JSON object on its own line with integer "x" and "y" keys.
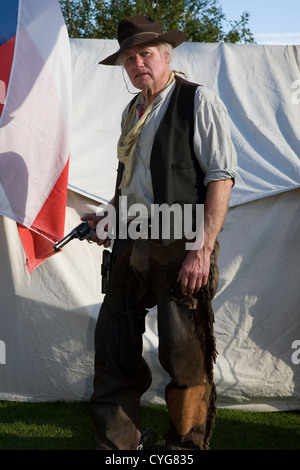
{"x": 82, "y": 231}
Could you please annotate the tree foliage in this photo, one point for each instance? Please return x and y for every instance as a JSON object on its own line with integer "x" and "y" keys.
{"x": 201, "y": 20}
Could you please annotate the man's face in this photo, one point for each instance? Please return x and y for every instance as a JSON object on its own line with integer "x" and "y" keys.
{"x": 146, "y": 67}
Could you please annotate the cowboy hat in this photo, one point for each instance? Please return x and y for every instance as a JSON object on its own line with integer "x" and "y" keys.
{"x": 137, "y": 30}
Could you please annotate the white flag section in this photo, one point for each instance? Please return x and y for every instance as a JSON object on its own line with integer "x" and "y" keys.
{"x": 34, "y": 128}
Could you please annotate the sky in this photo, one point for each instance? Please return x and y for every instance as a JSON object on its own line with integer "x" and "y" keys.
{"x": 271, "y": 21}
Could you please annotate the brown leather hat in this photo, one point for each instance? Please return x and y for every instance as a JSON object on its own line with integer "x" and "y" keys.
{"x": 137, "y": 30}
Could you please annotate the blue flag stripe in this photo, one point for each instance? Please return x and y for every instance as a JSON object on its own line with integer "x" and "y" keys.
{"x": 8, "y": 19}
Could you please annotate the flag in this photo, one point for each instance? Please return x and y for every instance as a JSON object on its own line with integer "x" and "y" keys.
{"x": 35, "y": 110}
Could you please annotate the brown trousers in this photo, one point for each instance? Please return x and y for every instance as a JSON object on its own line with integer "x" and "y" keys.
{"x": 144, "y": 274}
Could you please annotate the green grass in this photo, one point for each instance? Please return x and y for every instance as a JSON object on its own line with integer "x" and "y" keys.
{"x": 66, "y": 426}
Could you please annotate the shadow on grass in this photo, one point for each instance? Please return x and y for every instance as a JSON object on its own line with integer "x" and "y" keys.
{"x": 45, "y": 426}
{"x": 67, "y": 426}
{"x": 256, "y": 431}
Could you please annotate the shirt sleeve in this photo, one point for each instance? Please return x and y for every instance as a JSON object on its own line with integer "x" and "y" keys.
{"x": 212, "y": 137}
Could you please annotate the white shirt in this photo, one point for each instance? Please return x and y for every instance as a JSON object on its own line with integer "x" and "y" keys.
{"x": 212, "y": 143}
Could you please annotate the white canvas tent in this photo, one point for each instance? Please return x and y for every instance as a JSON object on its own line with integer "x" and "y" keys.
{"x": 47, "y": 319}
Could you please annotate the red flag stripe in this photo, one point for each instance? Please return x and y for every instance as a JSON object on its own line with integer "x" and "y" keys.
{"x": 6, "y": 59}
{"x": 51, "y": 219}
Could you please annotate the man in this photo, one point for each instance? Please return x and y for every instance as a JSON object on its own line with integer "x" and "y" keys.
{"x": 175, "y": 148}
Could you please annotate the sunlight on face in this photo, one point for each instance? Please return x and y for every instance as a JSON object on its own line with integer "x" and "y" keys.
{"x": 147, "y": 67}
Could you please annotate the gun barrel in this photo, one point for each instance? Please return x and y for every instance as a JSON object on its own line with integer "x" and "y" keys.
{"x": 58, "y": 246}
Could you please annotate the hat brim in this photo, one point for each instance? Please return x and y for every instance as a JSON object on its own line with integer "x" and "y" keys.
{"x": 175, "y": 38}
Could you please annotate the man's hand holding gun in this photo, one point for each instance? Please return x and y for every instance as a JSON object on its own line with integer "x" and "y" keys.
{"x": 87, "y": 231}
{"x": 93, "y": 220}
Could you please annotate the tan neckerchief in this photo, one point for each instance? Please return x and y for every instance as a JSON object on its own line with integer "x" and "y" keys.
{"x": 130, "y": 134}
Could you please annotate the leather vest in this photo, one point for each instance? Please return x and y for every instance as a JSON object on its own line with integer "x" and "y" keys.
{"x": 176, "y": 173}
